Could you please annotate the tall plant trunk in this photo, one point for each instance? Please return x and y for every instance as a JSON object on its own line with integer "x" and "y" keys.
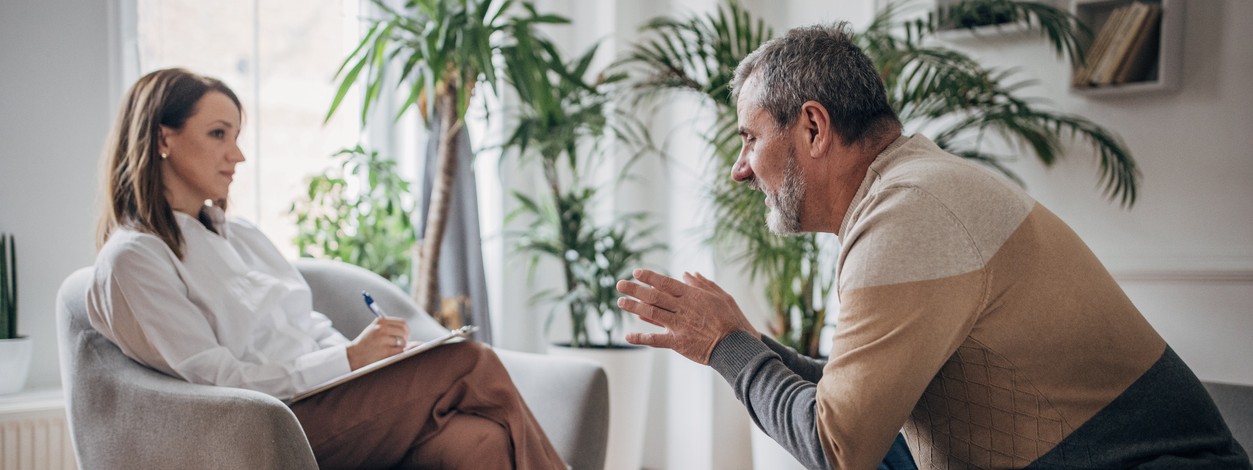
{"x": 426, "y": 288}
{"x": 578, "y": 310}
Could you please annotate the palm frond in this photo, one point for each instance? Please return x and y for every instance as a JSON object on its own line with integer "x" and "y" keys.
{"x": 935, "y": 87}
{"x": 1064, "y": 33}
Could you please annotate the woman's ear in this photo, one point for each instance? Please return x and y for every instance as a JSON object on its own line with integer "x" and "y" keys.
{"x": 163, "y": 146}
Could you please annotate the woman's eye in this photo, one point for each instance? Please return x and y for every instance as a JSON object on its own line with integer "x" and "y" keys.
{"x": 217, "y": 133}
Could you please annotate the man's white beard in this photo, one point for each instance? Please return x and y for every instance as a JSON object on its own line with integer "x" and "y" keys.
{"x": 785, "y": 204}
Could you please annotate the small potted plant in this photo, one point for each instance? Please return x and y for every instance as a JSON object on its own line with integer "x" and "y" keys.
{"x": 371, "y": 227}
{"x": 15, "y": 350}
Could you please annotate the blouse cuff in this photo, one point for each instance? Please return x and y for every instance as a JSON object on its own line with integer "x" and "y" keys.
{"x": 321, "y": 366}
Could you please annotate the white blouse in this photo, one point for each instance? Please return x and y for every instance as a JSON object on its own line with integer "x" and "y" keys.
{"x": 232, "y": 312}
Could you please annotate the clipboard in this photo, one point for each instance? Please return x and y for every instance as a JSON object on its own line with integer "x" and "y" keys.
{"x": 414, "y": 348}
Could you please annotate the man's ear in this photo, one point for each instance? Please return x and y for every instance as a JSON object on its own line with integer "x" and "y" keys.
{"x": 816, "y": 123}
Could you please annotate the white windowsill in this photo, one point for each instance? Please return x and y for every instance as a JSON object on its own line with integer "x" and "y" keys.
{"x": 36, "y": 400}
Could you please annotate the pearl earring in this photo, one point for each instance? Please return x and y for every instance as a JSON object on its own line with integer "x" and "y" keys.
{"x": 164, "y": 155}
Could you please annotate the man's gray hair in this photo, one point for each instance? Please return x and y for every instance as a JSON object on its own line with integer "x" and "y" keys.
{"x": 819, "y": 63}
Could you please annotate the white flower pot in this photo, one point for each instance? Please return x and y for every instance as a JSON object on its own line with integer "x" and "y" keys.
{"x": 630, "y": 372}
{"x": 14, "y": 364}
{"x": 769, "y": 455}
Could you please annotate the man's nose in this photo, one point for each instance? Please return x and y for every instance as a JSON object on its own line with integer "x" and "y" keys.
{"x": 741, "y": 172}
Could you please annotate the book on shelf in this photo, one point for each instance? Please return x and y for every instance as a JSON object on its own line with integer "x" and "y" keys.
{"x": 1124, "y": 47}
{"x": 1104, "y": 72}
{"x": 1143, "y": 52}
{"x": 1083, "y": 75}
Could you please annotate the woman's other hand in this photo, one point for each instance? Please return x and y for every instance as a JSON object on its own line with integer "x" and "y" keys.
{"x": 384, "y": 337}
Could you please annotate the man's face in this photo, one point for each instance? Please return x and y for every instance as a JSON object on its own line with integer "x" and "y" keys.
{"x": 768, "y": 162}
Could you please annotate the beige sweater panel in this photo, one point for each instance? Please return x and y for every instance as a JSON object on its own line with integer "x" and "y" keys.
{"x": 938, "y": 255}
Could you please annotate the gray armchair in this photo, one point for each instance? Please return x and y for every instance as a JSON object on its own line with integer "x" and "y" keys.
{"x": 125, "y": 415}
{"x": 1235, "y": 402}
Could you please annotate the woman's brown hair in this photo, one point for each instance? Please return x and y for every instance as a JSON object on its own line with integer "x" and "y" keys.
{"x": 133, "y": 190}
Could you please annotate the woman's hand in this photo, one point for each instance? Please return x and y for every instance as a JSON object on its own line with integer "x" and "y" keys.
{"x": 383, "y": 338}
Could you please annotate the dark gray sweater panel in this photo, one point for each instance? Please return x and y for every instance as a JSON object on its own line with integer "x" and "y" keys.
{"x": 781, "y": 400}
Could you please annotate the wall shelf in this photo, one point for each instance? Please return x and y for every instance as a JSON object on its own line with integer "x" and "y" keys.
{"x": 1164, "y": 74}
{"x": 999, "y": 31}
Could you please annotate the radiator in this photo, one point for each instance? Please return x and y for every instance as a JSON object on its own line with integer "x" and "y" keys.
{"x": 34, "y": 435}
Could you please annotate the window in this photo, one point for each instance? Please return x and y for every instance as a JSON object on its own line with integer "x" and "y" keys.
{"x": 280, "y": 57}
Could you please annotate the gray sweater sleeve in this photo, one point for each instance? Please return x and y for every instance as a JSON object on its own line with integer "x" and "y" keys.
{"x": 807, "y": 367}
{"x": 781, "y": 401}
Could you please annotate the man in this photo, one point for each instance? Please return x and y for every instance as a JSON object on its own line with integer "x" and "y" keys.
{"x": 971, "y": 317}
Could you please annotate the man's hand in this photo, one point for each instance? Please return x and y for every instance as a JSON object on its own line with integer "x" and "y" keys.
{"x": 696, "y": 313}
{"x": 383, "y": 338}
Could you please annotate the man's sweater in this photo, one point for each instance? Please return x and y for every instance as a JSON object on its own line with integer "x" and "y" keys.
{"x": 975, "y": 320}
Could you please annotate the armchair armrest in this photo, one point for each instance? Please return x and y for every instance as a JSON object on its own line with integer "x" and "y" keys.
{"x": 157, "y": 421}
{"x": 570, "y": 399}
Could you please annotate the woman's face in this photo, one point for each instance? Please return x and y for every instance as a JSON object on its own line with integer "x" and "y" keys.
{"x": 201, "y": 157}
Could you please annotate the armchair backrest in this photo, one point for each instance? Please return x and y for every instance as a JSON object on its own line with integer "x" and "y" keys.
{"x": 125, "y": 415}
{"x": 337, "y": 290}
{"x": 1235, "y": 402}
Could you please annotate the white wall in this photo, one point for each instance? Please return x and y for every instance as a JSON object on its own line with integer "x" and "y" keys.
{"x": 1184, "y": 253}
{"x": 54, "y": 113}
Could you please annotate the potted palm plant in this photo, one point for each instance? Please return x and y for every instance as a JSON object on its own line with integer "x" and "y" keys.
{"x": 437, "y": 51}
{"x": 939, "y": 91}
{"x": 15, "y": 350}
{"x": 562, "y": 121}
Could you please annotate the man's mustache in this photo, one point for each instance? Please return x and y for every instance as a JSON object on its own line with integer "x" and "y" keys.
{"x": 755, "y": 184}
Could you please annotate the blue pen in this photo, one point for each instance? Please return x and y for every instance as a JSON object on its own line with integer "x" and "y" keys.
{"x": 369, "y": 302}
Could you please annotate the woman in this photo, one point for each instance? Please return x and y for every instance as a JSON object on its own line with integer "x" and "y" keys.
{"x": 186, "y": 291}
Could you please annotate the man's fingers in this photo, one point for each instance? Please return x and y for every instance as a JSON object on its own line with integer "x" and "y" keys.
{"x": 645, "y": 311}
{"x": 652, "y": 322}
{"x": 656, "y": 340}
{"x": 690, "y": 280}
{"x": 709, "y": 284}
{"x": 663, "y": 283}
{"x": 648, "y": 295}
